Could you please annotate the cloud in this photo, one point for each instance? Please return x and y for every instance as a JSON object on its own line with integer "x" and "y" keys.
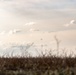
{"x": 67, "y": 25}
{"x": 2, "y": 33}
{"x": 10, "y": 32}
{"x": 30, "y": 23}
{"x": 45, "y": 12}
{"x": 32, "y": 30}
{"x": 71, "y": 23}
{"x": 14, "y": 31}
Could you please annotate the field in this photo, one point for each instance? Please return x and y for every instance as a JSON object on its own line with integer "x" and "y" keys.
{"x": 38, "y": 66}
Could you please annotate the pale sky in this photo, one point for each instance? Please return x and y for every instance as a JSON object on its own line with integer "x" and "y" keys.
{"x": 31, "y": 20}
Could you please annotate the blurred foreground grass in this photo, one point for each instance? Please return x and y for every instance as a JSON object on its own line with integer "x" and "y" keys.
{"x": 38, "y": 66}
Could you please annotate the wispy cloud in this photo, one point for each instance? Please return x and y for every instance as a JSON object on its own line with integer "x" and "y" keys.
{"x": 2, "y": 33}
{"x": 46, "y": 13}
{"x": 32, "y": 30}
{"x": 71, "y": 23}
{"x": 14, "y": 31}
{"x": 30, "y": 23}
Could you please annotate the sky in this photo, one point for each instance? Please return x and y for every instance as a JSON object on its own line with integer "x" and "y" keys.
{"x": 38, "y": 21}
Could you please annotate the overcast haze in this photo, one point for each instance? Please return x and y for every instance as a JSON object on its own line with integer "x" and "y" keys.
{"x": 38, "y": 21}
